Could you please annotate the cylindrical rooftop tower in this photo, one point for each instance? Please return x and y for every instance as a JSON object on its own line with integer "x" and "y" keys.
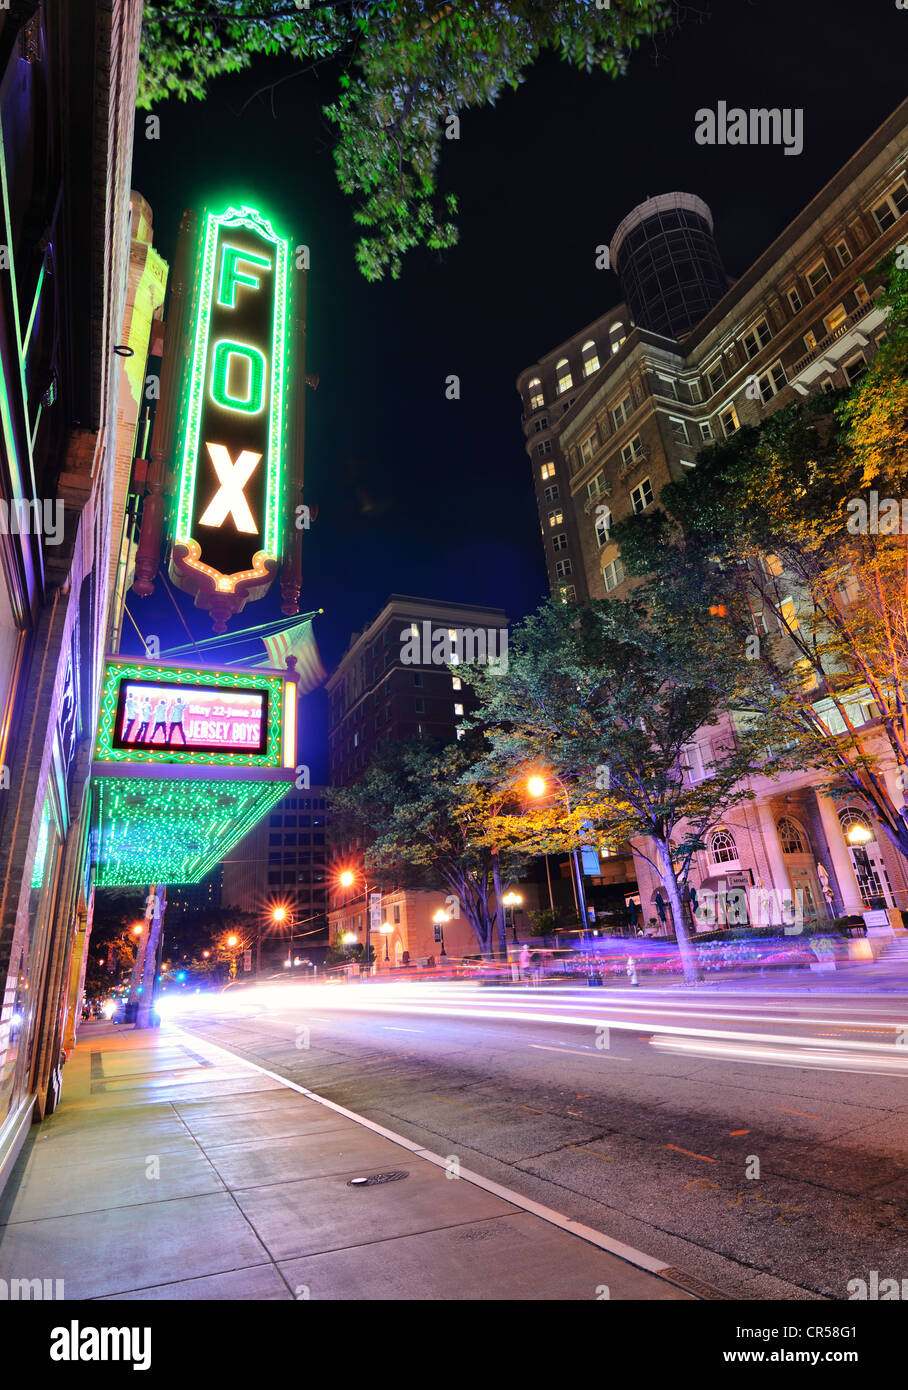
{"x": 668, "y": 262}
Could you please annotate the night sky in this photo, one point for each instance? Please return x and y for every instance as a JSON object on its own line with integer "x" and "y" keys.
{"x": 418, "y": 494}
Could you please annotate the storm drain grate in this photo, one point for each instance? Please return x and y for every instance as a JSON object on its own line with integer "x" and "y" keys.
{"x": 690, "y": 1283}
{"x": 376, "y": 1178}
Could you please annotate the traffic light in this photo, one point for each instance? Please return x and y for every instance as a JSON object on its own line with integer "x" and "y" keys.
{"x": 717, "y": 610}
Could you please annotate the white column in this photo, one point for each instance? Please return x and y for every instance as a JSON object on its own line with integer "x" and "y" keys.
{"x": 780, "y": 879}
{"x": 838, "y": 853}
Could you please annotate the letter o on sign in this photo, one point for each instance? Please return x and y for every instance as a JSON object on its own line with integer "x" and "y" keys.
{"x": 232, "y": 387}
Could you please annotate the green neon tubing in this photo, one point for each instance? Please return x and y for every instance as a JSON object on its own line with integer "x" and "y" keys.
{"x": 221, "y": 359}
{"x": 231, "y": 276}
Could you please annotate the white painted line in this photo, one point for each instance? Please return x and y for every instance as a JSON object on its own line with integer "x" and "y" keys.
{"x": 564, "y": 1223}
{"x": 386, "y": 1027}
{"x": 569, "y": 1052}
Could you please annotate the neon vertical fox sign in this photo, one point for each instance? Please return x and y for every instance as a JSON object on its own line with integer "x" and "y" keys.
{"x": 229, "y": 512}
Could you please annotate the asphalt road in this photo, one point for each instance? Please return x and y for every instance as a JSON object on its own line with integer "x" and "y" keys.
{"x": 756, "y": 1141}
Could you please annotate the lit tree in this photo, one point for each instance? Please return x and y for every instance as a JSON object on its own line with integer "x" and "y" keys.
{"x": 406, "y": 69}
{"x": 609, "y": 696}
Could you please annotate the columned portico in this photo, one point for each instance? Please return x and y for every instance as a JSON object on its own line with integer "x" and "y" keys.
{"x": 838, "y": 853}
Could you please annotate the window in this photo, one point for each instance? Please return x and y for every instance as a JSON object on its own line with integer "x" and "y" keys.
{"x": 715, "y": 377}
{"x": 771, "y": 382}
{"x": 788, "y": 617}
{"x": 695, "y": 393}
{"x": 588, "y": 448}
{"x": 841, "y": 250}
{"x": 892, "y": 207}
{"x": 679, "y": 430}
{"x": 861, "y": 293}
{"x": 794, "y": 300}
{"x": 551, "y": 493}
{"x": 397, "y": 916}
{"x": 729, "y": 420}
{"x": 818, "y": 277}
{"x": 612, "y": 575}
{"x": 547, "y": 471}
{"x": 563, "y": 376}
{"x": 621, "y": 412}
{"x": 556, "y": 517}
{"x": 417, "y": 678}
{"x": 667, "y": 386}
{"x": 456, "y": 683}
{"x": 590, "y": 356}
{"x": 544, "y": 447}
{"x": 854, "y": 370}
{"x": 458, "y": 709}
{"x": 757, "y": 338}
{"x": 810, "y": 340}
{"x": 706, "y": 429}
{"x": 642, "y": 495}
{"x": 791, "y": 837}
{"x": 692, "y": 762}
{"x": 559, "y": 542}
{"x": 541, "y": 424}
{"x": 562, "y": 568}
{"x": 603, "y": 527}
{"x": 568, "y": 594}
{"x": 632, "y": 450}
{"x": 722, "y": 847}
{"x": 835, "y": 318}
{"x": 594, "y": 486}
{"x": 537, "y": 399}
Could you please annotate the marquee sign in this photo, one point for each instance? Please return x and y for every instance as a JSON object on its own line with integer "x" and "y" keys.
{"x": 227, "y": 539}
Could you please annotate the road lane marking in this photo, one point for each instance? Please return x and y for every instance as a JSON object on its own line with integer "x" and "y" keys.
{"x": 606, "y": 1158}
{"x": 689, "y": 1154}
{"x": 572, "y": 1052}
{"x": 739, "y": 1131}
{"x": 807, "y": 1116}
{"x": 389, "y": 1029}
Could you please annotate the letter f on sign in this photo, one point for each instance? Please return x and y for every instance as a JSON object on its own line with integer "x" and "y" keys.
{"x": 230, "y": 499}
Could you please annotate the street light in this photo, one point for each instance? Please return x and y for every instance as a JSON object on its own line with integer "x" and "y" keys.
{"x": 859, "y": 834}
{"x": 386, "y": 929}
{"x": 537, "y": 786}
{"x": 347, "y": 878}
{"x": 439, "y": 919}
{"x": 511, "y": 901}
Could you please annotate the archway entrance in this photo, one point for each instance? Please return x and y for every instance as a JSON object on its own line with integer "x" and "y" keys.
{"x": 866, "y": 858}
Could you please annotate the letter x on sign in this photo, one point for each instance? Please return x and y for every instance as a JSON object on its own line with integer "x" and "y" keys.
{"x": 230, "y": 499}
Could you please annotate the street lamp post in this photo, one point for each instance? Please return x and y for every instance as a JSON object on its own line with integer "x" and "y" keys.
{"x": 386, "y": 929}
{"x": 537, "y": 786}
{"x": 347, "y": 878}
{"x": 439, "y": 919}
{"x": 512, "y": 901}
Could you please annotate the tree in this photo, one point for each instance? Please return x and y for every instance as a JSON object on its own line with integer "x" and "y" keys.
{"x": 407, "y": 69}
{"x": 608, "y": 696}
{"x": 433, "y": 827}
{"x": 795, "y": 535}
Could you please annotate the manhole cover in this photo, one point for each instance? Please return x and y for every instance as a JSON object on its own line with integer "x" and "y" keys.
{"x": 376, "y": 1178}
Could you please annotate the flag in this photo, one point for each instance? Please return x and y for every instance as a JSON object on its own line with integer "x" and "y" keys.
{"x": 298, "y": 641}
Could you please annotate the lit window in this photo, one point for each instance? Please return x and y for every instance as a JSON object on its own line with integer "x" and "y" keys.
{"x": 458, "y": 709}
{"x": 612, "y": 575}
{"x": 563, "y": 376}
{"x": 459, "y": 733}
{"x": 537, "y": 399}
{"x": 861, "y": 293}
{"x": 642, "y": 495}
{"x": 729, "y": 420}
{"x": 556, "y": 517}
{"x": 835, "y": 318}
{"x": 456, "y": 683}
{"x": 590, "y": 356}
{"x": 722, "y": 847}
{"x": 547, "y": 471}
{"x": 810, "y": 340}
{"x": 603, "y": 526}
{"x": 568, "y": 593}
{"x": 788, "y": 617}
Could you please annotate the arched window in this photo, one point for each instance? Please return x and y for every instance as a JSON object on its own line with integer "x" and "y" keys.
{"x": 722, "y": 847}
{"x": 590, "y": 355}
{"x": 563, "y": 375}
{"x": 791, "y": 837}
{"x": 856, "y": 827}
{"x": 537, "y": 399}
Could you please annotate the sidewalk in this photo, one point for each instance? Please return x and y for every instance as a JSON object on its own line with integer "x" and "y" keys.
{"x": 174, "y": 1170}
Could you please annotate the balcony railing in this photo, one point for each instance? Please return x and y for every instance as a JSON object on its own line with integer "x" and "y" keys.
{"x": 847, "y": 324}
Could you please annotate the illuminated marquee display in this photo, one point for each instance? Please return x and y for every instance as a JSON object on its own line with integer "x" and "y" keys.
{"x": 229, "y": 506}
{"x": 164, "y": 810}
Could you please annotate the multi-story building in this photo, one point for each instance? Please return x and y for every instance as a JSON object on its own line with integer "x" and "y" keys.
{"x": 393, "y": 685}
{"x": 626, "y": 405}
{"x": 283, "y": 864}
{"x": 67, "y": 109}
